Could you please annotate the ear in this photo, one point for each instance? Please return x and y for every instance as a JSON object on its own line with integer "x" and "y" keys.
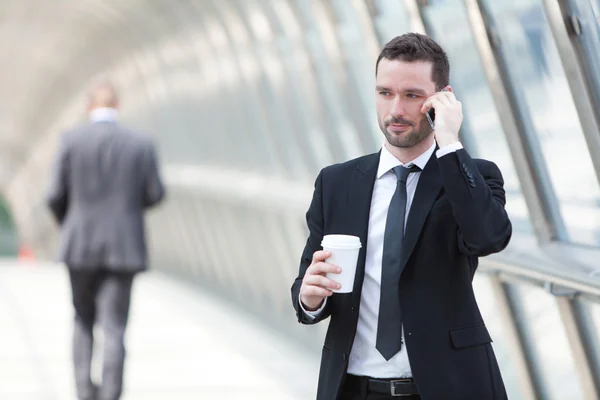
{"x": 448, "y": 88}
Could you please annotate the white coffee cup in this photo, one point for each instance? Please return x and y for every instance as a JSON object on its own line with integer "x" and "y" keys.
{"x": 344, "y": 251}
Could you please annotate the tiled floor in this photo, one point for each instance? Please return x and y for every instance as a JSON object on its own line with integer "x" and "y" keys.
{"x": 182, "y": 344}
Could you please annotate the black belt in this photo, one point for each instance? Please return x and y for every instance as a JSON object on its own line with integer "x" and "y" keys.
{"x": 393, "y": 387}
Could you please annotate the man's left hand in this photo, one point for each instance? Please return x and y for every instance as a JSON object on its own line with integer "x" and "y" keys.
{"x": 448, "y": 116}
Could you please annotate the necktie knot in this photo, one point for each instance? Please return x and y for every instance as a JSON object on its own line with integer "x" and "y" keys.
{"x": 402, "y": 172}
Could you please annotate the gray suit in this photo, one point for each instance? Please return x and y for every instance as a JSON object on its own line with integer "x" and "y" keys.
{"x": 104, "y": 178}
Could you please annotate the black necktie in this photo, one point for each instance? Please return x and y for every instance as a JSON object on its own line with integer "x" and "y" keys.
{"x": 389, "y": 326}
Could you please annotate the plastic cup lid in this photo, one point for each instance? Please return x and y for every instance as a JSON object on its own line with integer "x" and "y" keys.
{"x": 341, "y": 241}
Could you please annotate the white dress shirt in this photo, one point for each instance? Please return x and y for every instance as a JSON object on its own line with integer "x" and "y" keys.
{"x": 365, "y": 359}
{"x": 104, "y": 114}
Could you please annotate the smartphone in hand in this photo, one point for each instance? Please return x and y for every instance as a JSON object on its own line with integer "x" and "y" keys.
{"x": 430, "y": 114}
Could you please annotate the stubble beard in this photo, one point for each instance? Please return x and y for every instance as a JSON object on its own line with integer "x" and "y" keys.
{"x": 417, "y": 133}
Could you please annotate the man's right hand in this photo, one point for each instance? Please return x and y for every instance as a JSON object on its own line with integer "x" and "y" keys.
{"x": 315, "y": 286}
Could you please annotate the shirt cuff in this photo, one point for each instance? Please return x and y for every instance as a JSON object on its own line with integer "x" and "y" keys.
{"x": 451, "y": 148}
{"x": 312, "y": 314}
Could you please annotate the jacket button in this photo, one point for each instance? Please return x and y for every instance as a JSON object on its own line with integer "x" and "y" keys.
{"x": 473, "y": 184}
{"x": 344, "y": 356}
{"x": 464, "y": 167}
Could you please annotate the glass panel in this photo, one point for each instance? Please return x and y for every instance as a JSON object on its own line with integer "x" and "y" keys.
{"x": 496, "y": 326}
{"x": 277, "y": 79}
{"x": 324, "y": 55}
{"x": 481, "y": 132}
{"x": 233, "y": 44}
{"x": 590, "y": 318}
{"x": 546, "y": 100}
{"x": 588, "y": 12}
{"x": 306, "y": 108}
{"x": 545, "y": 339}
{"x": 361, "y": 69}
{"x": 8, "y": 237}
{"x": 270, "y": 79}
{"x": 390, "y": 18}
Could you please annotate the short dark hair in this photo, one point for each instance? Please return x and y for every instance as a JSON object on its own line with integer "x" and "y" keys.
{"x": 417, "y": 47}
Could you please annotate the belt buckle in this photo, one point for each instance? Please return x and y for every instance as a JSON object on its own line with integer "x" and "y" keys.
{"x": 393, "y": 387}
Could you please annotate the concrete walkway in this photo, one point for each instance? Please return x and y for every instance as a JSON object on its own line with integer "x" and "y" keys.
{"x": 182, "y": 344}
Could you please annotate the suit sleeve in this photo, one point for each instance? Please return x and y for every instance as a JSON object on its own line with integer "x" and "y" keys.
{"x": 58, "y": 193}
{"x": 476, "y": 193}
{"x": 153, "y": 188}
{"x": 315, "y": 222}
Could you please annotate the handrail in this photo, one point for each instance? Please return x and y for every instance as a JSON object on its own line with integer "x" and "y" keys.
{"x": 540, "y": 276}
{"x": 274, "y": 192}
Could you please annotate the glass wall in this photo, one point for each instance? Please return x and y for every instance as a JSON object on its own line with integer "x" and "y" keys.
{"x": 587, "y": 14}
{"x": 8, "y": 235}
{"x": 546, "y": 341}
{"x": 481, "y": 132}
{"x": 496, "y": 326}
{"x": 545, "y": 100}
{"x": 390, "y": 19}
{"x": 589, "y": 313}
{"x": 264, "y": 93}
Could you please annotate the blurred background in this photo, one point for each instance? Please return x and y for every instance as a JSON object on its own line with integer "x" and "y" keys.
{"x": 248, "y": 100}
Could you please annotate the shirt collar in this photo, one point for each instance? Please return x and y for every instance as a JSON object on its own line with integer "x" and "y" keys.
{"x": 104, "y": 114}
{"x": 387, "y": 160}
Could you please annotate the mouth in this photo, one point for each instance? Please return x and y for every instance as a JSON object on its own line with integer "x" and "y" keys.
{"x": 398, "y": 127}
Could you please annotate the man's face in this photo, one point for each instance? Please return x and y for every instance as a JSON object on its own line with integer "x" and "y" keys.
{"x": 401, "y": 89}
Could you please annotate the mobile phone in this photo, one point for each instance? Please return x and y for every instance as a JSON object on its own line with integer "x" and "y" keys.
{"x": 431, "y": 114}
{"x": 431, "y": 117}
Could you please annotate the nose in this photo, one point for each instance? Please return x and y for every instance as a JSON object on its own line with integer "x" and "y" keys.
{"x": 397, "y": 109}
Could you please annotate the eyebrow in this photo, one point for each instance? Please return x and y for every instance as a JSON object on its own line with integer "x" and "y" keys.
{"x": 408, "y": 90}
{"x": 416, "y": 91}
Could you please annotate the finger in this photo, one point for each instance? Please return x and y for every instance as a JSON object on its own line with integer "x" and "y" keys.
{"x": 430, "y": 103}
{"x": 426, "y": 105}
{"x": 435, "y": 103}
{"x": 316, "y": 291}
{"x": 321, "y": 281}
{"x": 444, "y": 98}
{"x": 451, "y": 97}
{"x": 321, "y": 268}
{"x": 320, "y": 255}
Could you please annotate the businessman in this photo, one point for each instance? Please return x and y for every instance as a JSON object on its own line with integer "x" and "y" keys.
{"x": 425, "y": 211}
{"x": 104, "y": 178}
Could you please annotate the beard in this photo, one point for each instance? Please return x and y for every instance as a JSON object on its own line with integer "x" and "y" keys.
{"x": 416, "y": 133}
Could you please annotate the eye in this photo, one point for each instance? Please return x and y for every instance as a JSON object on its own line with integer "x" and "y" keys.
{"x": 384, "y": 93}
{"x": 412, "y": 96}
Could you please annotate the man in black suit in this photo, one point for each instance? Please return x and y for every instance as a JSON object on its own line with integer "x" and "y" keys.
{"x": 424, "y": 211}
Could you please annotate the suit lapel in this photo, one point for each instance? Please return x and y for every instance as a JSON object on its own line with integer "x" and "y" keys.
{"x": 360, "y": 194}
{"x": 430, "y": 184}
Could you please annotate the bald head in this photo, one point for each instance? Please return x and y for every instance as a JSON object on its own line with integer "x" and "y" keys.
{"x": 102, "y": 95}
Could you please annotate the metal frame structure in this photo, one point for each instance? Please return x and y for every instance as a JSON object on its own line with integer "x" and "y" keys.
{"x": 565, "y": 30}
{"x": 235, "y": 197}
{"x": 534, "y": 180}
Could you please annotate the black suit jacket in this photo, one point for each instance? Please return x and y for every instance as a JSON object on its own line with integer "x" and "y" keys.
{"x": 457, "y": 215}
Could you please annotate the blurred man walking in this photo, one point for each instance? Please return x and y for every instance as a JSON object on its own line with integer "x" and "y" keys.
{"x": 104, "y": 177}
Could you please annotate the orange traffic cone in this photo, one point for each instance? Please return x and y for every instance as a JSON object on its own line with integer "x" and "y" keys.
{"x": 26, "y": 254}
